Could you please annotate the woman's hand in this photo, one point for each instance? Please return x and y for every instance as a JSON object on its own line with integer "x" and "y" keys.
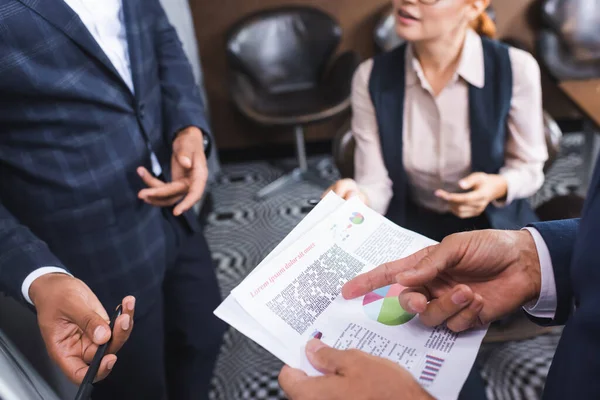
{"x": 346, "y": 189}
{"x": 484, "y": 188}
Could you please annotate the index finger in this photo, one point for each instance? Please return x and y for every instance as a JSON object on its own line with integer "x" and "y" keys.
{"x": 166, "y": 190}
{"x": 148, "y": 178}
{"x": 382, "y": 276}
{"x": 435, "y": 260}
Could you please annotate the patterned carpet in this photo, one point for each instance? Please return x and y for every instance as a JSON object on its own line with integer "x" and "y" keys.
{"x": 241, "y": 232}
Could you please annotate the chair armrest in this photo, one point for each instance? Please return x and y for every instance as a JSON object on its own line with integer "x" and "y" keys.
{"x": 553, "y": 135}
{"x": 244, "y": 93}
{"x": 343, "y": 151}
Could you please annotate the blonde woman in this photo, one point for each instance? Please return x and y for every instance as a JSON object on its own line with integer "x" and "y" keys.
{"x": 448, "y": 128}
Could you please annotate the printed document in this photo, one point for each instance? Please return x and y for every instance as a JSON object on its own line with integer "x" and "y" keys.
{"x": 294, "y": 295}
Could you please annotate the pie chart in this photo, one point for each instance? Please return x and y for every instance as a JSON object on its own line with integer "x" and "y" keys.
{"x": 357, "y": 218}
{"x": 382, "y": 305}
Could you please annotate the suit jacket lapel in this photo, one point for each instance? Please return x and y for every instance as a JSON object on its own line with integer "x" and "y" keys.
{"x": 63, "y": 18}
{"x": 133, "y": 40}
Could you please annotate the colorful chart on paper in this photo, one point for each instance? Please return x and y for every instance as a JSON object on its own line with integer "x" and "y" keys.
{"x": 357, "y": 218}
{"x": 382, "y": 305}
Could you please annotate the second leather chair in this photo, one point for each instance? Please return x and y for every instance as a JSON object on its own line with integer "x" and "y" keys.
{"x": 283, "y": 75}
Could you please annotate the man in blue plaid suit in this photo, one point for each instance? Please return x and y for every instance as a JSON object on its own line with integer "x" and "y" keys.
{"x": 102, "y": 137}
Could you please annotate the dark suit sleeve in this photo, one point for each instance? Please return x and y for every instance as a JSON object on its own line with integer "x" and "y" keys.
{"x": 21, "y": 253}
{"x": 182, "y": 101}
{"x": 560, "y": 238}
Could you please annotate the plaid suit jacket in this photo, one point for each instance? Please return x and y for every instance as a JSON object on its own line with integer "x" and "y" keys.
{"x": 71, "y": 137}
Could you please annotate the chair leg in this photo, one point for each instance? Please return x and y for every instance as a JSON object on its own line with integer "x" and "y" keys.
{"x": 301, "y": 173}
{"x": 301, "y": 148}
{"x": 279, "y": 184}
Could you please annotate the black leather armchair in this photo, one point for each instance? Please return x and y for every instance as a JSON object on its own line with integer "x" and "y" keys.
{"x": 568, "y": 47}
{"x": 569, "y": 43}
{"x": 283, "y": 75}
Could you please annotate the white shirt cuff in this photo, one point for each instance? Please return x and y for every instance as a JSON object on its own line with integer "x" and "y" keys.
{"x": 511, "y": 184}
{"x": 36, "y": 274}
{"x": 545, "y": 307}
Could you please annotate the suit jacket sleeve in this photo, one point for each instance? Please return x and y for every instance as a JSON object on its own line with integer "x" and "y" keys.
{"x": 21, "y": 253}
{"x": 560, "y": 238}
{"x": 182, "y": 101}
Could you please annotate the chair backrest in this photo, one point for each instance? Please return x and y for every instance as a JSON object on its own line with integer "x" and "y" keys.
{"x": 284, "y": 49}
{"x": 385, "y": 35}
{"x": 577, "y": 23}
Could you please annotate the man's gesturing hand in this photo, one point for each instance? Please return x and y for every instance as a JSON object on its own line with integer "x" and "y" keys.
{"x": 189, "y": 172}
{"x": 73, "y": 324}
{"x": 468, "y": 279}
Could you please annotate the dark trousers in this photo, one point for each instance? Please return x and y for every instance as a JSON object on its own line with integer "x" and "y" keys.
{"x": 474, "y": 387}
{"x": 437, "y": 226}
{"x": 173, "y": 349}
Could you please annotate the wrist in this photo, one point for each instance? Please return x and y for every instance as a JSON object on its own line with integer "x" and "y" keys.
{"x": 531, "y": 266}
{"x": 501, "y": 188}
{"x": 44, "y": 283}
{"x": 190, "y": 130}
{"x": 195, "y": 131}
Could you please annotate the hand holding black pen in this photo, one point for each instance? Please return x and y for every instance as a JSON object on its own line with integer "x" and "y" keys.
{"x": 73, "y": 324}
{"x": 86, "y": 387}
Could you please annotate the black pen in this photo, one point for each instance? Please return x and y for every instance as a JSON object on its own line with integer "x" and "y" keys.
{"x": 85, "y": 390}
